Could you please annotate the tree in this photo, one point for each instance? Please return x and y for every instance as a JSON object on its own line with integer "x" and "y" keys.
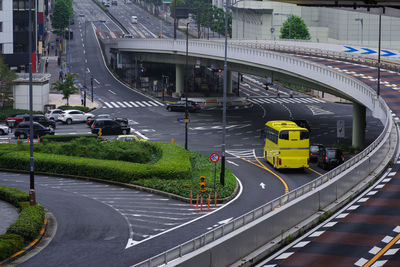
{"x": 67, "y": 86}
{"x": 178, "y": 3}
{"x": 297, "y": 28}
{"x": 7, "y": 76}
{"x": 61, "y": 13}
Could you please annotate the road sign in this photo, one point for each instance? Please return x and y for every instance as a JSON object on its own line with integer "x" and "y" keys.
{"x": 340, "y": 128}
{"x": 214, "y": 157}
{"x": 183, "y": 120}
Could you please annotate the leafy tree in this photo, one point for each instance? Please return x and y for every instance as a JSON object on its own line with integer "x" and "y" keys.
{"x": 62, "y": 11}
{"x": 297, "y": 28}
{"x": 7, "y": 76}
{"x": 178, "y": 3}
{"x": 66, "y": 87}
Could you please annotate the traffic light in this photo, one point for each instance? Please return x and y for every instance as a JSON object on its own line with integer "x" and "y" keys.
{"x": 219, "y": 70}
{"x": 202, "y": 184}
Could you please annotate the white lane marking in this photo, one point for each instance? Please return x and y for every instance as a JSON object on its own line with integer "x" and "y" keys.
{"x": 127, "y": 104}
{"x": 147, "y": 104}
{"x": 96, "y": 81}
{"x": 153, "y": 103}
{"x": 141, "y": 135}
{"x": 140, "y": 104}
{"x": 112, "y": 92}
{"x": 231, "y": 162}
{"x": 122, "y": 105}
{"x": 161, "y": 104}
{"x": 115, "y": 105}
{"x": 133, "y": 104}
{"x": 374, "y": 250}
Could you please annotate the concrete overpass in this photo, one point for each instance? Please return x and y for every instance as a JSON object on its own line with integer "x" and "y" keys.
{"x": 257, "y": 62}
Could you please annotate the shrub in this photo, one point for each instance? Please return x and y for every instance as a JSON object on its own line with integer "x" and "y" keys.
{"x": 29, "y": 223}
{"x": 10, "y": 244}
{"x": 13, "y": 195}
{"x": 81, "y": 108}
{"x": 66, "y": 137}
{"x": 6, "y": 112}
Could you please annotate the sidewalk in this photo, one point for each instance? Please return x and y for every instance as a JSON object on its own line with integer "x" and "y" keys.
{"x": 8, "y": 215}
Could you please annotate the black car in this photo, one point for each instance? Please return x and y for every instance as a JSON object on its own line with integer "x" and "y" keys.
{"x": 22, "y": 130}
{"x": 181, "y": 105}
{"x": 303, "y": 124}
{"x": 42, "y": 120}
{"x": 314, "y": 152}
{"x": 109, "y": 127}
{"x": 330, "y": 158}
{"x": 122, "y": 121}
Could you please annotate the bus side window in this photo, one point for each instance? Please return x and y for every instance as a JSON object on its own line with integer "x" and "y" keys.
{"x": 304, "y": 135}
{"x": 284, "y": 135}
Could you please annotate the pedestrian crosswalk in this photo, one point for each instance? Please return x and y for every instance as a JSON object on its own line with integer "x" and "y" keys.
{"x": 286, "y": 100}
{"x": 132, "y": 104}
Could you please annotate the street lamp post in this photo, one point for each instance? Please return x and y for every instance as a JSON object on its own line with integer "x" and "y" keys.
{"x": 379, "y": 55}
{"x": 361, "y": 20}
{"x": 185, "y": 87}
{"x": 290, "y": 22}
{"x": 32, "y": 197}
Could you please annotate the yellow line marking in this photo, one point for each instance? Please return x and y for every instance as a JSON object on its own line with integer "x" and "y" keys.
{"x": 34, "y": 242}
{"x": 380, "y": 253}
{"x": 276, "y": 175}
{"x": 16, "y": 254}
{"x": 320, "y": 174}
{"x": 45, "y": 221}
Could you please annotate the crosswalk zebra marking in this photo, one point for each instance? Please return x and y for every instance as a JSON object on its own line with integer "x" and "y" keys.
{"x": 115, "y": 105}
{"x": 161, "y": 104}
{"x": 108, "y": 105}
{"x": 127, "y": 104}
{"x": 154, "y": 104}
{"x": 140, "y": 104}
{"x": 133, "y": 104}
{"x": 122, "y": 105}
{"x": 147, "y": 104}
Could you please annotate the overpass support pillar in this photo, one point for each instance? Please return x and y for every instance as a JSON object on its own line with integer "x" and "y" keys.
{"x": 179, "y": 79}
{"x": 229, "y": 84}
{"x": 359, "y": 123}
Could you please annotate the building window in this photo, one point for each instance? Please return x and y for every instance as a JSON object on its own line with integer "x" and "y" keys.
{"x": 1, "y": 4}
{"x": 1, "y": 25}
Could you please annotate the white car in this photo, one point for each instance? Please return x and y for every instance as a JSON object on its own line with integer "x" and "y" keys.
{"x": 3, "y": 129}
{"x": 70, "y": 116}
{"x": 53, "y": 114}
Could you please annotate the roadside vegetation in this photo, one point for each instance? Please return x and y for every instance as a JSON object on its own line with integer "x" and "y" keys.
{"x": 162, "y": 166}
{"x": 27, "y": 226}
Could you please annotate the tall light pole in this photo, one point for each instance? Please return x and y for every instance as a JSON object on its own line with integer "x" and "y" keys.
{"x": 361, "y": 20}
{"x": 379, "y": 55}
{"x": 32, "y": 197}
{"x": 185, "y": 87}
{"x": 290, "y": 22}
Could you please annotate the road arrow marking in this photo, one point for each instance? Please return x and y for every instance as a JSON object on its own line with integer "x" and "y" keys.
{"x": 231, "y": 162}
{"x": 388, "y": 53}
{"x": 225, "y": 221}
{"x": 351, "y": 49}
{"x": 262, "y": 185}
{"x": 369, "y": 51}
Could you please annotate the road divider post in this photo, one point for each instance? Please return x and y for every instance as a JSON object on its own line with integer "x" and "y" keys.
{"x": 209, "y": 201}
{"x": 191, "y": 198}
{"x": 197, "y": 201}
{"x": 201, "y": 204}
{"x": 215, "y": 200}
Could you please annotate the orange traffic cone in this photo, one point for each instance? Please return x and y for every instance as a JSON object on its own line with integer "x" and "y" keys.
{"x": 27, "y": 140}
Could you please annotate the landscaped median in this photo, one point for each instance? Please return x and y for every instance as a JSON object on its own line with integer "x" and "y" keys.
{"x": 161, "y": 166}
{"x": 26, "y": 228}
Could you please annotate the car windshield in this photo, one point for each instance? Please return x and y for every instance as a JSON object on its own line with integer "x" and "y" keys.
{"x": 331, "y": 153}
{"x": 314, "y": 148}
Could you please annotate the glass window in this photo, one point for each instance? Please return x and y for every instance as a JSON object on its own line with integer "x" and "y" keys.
{"x": 284, "y": 135}
{"x": 1, "y": 24}
{"x": 304, "y": 135}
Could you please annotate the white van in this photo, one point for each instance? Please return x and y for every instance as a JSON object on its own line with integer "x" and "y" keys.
{"x": 134, "y": 19}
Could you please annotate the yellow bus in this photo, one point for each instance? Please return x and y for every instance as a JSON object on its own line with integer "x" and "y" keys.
{"x": 286, "y": 145}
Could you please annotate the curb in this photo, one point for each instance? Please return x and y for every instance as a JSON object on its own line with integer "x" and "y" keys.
{"x": 29, "y": 247}
{"x": 131, "y": 186}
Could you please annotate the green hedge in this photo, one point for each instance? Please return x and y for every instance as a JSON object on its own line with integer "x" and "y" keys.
{"x": 10, "y": 244}
{"x": 174, "y": 164}
{"x": 13, "y": 195}
{"x": 66, "y": 137}
{"x": 81, "y": 108}
{"x": 29, "y": 223}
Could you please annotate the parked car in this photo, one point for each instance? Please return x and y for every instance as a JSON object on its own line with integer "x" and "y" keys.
{"x": 123, "y": 121}
{"x": 17, "y": 118}
{"x": 181, "y": 105}
{"x": 303, "y": 124}
{"x": 314, "y": 152}
{"x": 23, "y": 130}
{"x": 130, "y": 138}
{"x": 53, "y": 114}
{"x": 42, "y": 120}
{"x": 3, "y": 129}
{"x": 70, "y": 116}
{"x": 109, "y": 127}
{"x": 330, "y": 158}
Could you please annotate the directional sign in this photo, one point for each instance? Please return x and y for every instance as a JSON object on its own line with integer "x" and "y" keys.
{"x": 340, "y": 128}
{"x": 351, "y": 49}
{"x": 369, "y": 51}
{"x": 182, "y": 120}
{"x": 388, "y": 53}
{"x": 214, "y": 157}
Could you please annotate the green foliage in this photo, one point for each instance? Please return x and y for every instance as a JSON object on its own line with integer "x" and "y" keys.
{"x": 66, "y": 137}
{"x": 297, "y": 28}
{"x": 6, "y": 112}
{"x": 10, "y": 244}
{"x": 81, "y": 108}
{"x": 13, "y": 195}
{"x": 67, "y": 86}
{"x": 139, "y": 152}
{"x": 7, "y": 76}
{"x": 29, "y": 223}
{"x": 61, "y": 13}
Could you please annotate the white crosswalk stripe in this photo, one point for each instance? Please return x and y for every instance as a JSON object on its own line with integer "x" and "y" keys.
{"x": 132, "y": 104}
{"x": 241, "y": 153}
{"x": 285, "y": 100}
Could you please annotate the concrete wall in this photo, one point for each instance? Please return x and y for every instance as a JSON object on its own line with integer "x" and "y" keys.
{"x": 6, "y": 36}
{"x": 40, "y": 90}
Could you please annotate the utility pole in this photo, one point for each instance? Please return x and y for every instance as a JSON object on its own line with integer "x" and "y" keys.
{"x": 174, "y": 19}
{"x": 91, "y": 84}
{"x": 185, "y": 88}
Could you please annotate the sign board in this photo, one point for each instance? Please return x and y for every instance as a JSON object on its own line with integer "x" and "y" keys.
{"x": 214, "y": 157}
{"x": 340, "y": 129}
{"x": 183, "y": 120}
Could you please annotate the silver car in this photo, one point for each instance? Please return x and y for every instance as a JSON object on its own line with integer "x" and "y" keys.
{"x": 3, "y": 129}
{"x": 53, "y": 114}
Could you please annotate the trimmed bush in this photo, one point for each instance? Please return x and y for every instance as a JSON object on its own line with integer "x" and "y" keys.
{"x": 66, "y": 137}
{"x": 29, "y": 223}
{"x": 9, "y": 245}
{"x": 81, "y": 108}
{"x": 13, "y": 195}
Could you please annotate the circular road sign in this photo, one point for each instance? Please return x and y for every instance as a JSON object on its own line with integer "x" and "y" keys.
{"x": 214, "y": 157}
